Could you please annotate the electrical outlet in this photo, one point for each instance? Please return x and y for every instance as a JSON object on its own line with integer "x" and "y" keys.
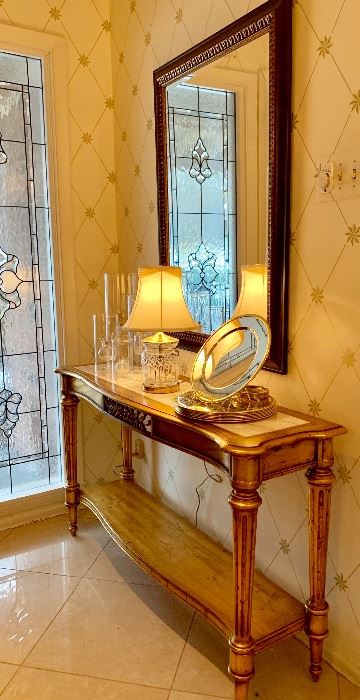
{"x": 139, "y": 449}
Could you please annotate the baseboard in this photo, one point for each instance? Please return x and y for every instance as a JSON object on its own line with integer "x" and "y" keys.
{"x": 28, "y": 509}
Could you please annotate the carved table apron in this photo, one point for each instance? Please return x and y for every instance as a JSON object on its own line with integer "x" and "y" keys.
{"x": 251, "y": 611}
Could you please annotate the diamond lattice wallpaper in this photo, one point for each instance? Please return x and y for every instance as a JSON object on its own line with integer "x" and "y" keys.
{"x": 323, "y": 373}
{"x": 85, "y": 26}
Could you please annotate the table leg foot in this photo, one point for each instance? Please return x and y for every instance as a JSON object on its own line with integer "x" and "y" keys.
{"x": 72, "y": 502}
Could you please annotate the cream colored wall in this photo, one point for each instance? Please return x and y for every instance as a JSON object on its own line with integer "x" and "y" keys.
{"x": 85, "y": 26}
{"x": 323, "y": 373}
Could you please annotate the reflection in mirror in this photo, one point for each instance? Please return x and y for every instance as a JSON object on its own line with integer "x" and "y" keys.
{"x": 223, "y": 137}
{"x": 218, "y": 173}
{"x": 230, "y": 358}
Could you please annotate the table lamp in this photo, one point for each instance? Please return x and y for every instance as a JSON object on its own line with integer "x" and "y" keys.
{"x": 160, "y": 306}
{"x": 253, "y": 294}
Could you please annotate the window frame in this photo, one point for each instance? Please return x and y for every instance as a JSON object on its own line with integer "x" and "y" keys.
{"x": 52, "y": 51}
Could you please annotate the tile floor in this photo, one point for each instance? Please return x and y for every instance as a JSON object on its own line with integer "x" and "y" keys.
{"x": 78, "y": 619}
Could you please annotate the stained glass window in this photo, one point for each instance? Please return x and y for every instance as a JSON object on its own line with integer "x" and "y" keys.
{"x": 202, "y": 198}
{"x": 29, "y": 407}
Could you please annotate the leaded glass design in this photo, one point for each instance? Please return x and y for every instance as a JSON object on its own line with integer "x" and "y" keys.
{"x": 202, "y": 198}
{"x": 29, "y": 406}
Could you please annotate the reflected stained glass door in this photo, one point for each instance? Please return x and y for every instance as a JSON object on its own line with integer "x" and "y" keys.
{"x": 29, "y": 412}
{"x": 202, "y": 198}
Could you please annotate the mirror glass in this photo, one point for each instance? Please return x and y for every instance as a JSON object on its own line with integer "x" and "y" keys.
{"x": 217, "y": 150}
{"x": 223, "y": 145}
{"x": 230, "y": 358}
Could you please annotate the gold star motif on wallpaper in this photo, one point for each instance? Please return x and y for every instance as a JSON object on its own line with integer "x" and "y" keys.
{"x": 93, "y": 284}
{"x": 106, "y": 25}
{"x": 54, "y": 13}
{"x": 151, "y": 207}
{"x": 284, "y": 546}
{"x": 84, "y": 60}
{"x": 135, "y": 90}
{"x": 325, "y": 46}
{"x": 290, "y": 347}
{"x": 137, "y": 170}
{"x": 139, "y": 247}
{"x": 179, "y": 16}
{"x": 132, "y": 6}
{"x": 121, "y": 57}
{"x": 98, "y": 418}
{"x": 355, "y": 102}
{"x": 344, "y": 474}
{"x": 353, "y": 234}
{"x": 112, "y": 178}
{"x": 349, "y": 358}
{"x": 109, "y": 102}
{"x": 147, "y": 38}
{"x": 149, "y": 124}
{"x": 341, "y": 582}
{"x": 317, "y": 295}
{"x": 115, "y": 249}
{"x": 314, "y": 407}
{"x": 292, "y": 237}
{"x": 123, "y": 135}
{"x": 86, "y": 137}
{"x": 89, "y": 213}
{"x": 126, "y": 211}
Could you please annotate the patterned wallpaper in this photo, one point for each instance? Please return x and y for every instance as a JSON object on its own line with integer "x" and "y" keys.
{"x": 323, "y": 373}
{"x": 85, "y": 26}
{"x": 323, "y": 376}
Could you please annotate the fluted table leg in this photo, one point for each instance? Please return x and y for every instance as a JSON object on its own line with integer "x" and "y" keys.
{"x": 244, "y": 506}
{"x": 126, "y": 471}
{"x": 320, "y": 480}
{"x": 69, "y": 404}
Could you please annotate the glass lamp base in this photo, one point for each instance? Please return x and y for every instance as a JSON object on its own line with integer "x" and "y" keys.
{"x": 160, "y": 364}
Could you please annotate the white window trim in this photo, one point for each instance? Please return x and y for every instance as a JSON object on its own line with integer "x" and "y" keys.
{"x": 53, "y": 51}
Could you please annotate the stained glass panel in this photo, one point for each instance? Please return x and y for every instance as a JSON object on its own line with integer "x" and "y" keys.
{"x": 29, "y": 412}
{"x": 202, "y": 197}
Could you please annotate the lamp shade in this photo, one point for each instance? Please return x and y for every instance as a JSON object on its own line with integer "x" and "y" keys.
{"x": 160, "y": 303}
{"x": 253, "y": 295}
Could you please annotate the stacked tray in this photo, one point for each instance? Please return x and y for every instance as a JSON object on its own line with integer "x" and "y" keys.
{"x": 252, "y": 403}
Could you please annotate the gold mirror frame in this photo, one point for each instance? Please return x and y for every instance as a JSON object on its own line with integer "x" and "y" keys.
{"x": 274, "y": 18}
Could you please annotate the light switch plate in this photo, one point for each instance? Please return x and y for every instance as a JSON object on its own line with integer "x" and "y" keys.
{"x": 339, "y": 176}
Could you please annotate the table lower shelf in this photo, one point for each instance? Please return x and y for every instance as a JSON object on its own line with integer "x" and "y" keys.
{"x": 188, "y": 562}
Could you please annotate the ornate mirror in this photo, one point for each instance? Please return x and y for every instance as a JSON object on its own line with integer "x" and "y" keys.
{"x": 223, "y": 125}
{"x": 223, "y": 368}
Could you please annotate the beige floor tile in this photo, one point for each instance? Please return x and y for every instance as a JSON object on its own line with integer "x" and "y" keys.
{"x": 348, "y": 691}
{"x": 29, "y": 602}
{"x": 114, "y": 565}
{"x": 48, "y": 547}
{"x": 6, "y": 673}
{"x": 281, "y": 672}
{"x": 112, "y": 631}
{"x": 33, "y": 684}
{"x": 204, "y": 662}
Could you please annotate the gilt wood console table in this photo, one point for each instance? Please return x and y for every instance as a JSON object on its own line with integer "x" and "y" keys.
{"x": 251, "y": 611}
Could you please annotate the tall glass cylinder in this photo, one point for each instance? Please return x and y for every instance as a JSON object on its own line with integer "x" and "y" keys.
{"x": 119, "y": 294}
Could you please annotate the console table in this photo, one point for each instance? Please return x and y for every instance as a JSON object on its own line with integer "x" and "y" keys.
{"x": 251, "y": 611}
